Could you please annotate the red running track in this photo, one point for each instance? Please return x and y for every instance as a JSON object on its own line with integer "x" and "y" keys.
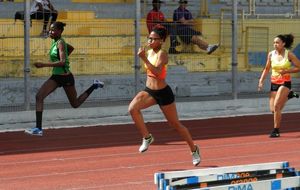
{"x": 107, "y": 157}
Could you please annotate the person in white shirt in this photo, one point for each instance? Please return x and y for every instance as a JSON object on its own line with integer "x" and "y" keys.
{"x": 43, "y": 10}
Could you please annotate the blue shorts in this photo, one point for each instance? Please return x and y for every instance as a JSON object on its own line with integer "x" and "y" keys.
{"x": 163, "y": 96}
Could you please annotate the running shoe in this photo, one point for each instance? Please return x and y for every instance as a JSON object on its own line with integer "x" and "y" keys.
{"x": 196, "y": 156}
{"x": 34, "y": 131}
{"x": 293, "y": 94}
{"x": 212, "y": 48}
{"x": 98, "y": 84}
{"x": 275, "y": 133}
{"x": 146, "y": 143}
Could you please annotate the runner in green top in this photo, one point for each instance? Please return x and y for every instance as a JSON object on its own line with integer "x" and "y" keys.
{"x": 54, "y": 57}
{"x": 61, "y": 76}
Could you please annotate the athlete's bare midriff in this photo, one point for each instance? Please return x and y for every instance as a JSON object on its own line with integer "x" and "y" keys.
{"x": 155, "y": 84}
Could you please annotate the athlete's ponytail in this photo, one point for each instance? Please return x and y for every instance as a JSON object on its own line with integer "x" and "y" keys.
{"x": 288, "y": 39}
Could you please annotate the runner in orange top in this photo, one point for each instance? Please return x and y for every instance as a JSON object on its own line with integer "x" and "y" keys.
{"x": 157, "y": 91}
{"x": 282, "y": 62}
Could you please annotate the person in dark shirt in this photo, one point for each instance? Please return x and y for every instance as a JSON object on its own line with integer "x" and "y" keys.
{"x": 154, "y": 17}
{"x": 184, "y": 19}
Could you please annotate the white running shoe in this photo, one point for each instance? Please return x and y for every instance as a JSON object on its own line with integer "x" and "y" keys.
{"x": 34, "y": 131}
{"x": 98, "y": 84}
{"x": 212, "y": 48}
{"x": 196, "y": 156}
{"x": 146, "y": 143}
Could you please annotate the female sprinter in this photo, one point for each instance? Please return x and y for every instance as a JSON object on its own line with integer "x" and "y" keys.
{"x": 280, "y": 61}
{"x": 157, "y": 91}
{"x": 61, "y": 76}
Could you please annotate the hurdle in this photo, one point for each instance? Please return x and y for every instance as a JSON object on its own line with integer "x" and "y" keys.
{"x": 231, "y": 178}
{"x": 273, "y": 184}
{"x": 222, "y": 175}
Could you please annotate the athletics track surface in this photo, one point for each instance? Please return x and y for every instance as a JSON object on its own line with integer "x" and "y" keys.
{"x": 107, "y": 158}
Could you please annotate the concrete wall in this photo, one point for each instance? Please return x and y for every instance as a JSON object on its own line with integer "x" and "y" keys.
{"x": 183, "y": 83}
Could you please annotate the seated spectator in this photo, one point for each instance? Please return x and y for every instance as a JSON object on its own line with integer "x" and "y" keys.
{"x": 185, "y": 31}
{"x": 43, "y": 9}
{"x": 154, "y": 17}
{"x": 40, "y": 10}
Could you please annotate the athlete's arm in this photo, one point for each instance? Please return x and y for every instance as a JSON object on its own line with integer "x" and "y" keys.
{"x": 264, "y": 73}
{"x": 70, "y": 49}
{"x": 60, "y": 63}
{"x": 292, "y": 57}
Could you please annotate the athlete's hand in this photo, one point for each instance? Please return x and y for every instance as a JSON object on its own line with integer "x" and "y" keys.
{"x": 283, "y": 71}
{"x": 260, "y": 86}
{"x": 142, "y": 53}
{"x": 38, "y": 64}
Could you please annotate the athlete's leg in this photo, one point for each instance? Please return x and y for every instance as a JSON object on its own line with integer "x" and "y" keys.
{"x": 141, "y": 101}
{"x": 72, "y": 95}
{"x": 48, "y": 87}
{"x": 279, "y": 102}
{"x": 271, "y": 100}
{"x": 170, "y": 113}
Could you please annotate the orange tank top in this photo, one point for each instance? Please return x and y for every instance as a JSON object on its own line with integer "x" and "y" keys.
{"x": 153, "y": 58}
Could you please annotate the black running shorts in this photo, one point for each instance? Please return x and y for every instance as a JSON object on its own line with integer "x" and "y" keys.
{"x": 63, "y": 80}
{"x": 163, "y": 96}
{"x": 275, "y": 87}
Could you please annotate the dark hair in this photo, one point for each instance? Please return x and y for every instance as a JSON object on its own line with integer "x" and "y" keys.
{"x": 161, "y": 31}
{"x": 59, "y": 25}
{"x": 288, "y": 39}
{"x": 183, "y": 1}
{"x": 156, "y": 1}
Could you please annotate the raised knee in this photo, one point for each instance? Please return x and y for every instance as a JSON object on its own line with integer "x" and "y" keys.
{"x": 133, "y": 110}
{"x": 74, "y": 105}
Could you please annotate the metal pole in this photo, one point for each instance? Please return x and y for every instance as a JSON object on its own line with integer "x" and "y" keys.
{"x": 26, "y": 55}
{"x": 137, "y": 45}
{"x": 234, "y": 50}
{"x": 203, "y": 8}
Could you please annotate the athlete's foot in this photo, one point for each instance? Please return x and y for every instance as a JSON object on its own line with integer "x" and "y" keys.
{"x": 34, "y": 131}
{"x": 293, "y": 94}
{"x": 212, "y": 48}
{"x": 146, "y": 143}
{"x": 98, "y": 84}
{"x": 275, "y": 133}
{"x": 196, "y": 156}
